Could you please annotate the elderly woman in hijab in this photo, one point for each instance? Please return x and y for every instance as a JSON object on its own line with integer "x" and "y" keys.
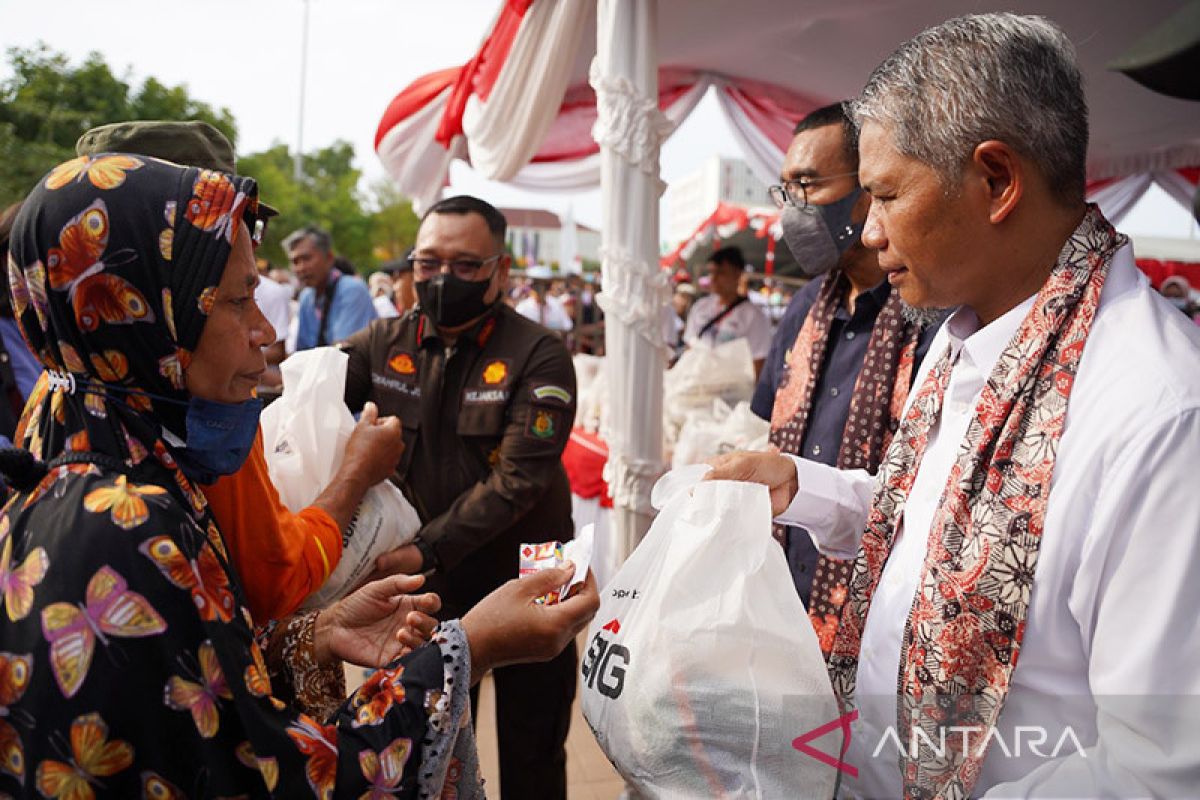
{"x": 127, "y": 662}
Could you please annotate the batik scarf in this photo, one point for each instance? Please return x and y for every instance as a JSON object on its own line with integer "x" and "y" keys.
{"x": 875, "y": 410}
{"x": 114, "y": 312}
{"x": 964, "y": 630}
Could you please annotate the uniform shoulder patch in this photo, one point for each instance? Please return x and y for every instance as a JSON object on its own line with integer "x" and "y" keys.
{"x": 551, "y": 392}
{"x": 544, "y": 425}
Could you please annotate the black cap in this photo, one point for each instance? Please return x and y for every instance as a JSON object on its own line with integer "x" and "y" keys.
{"x": 193, "y": 143}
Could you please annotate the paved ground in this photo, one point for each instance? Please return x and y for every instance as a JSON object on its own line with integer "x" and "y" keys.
{"x": 589, "y": 775}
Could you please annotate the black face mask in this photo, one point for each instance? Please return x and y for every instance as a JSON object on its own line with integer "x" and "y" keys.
{"x": 450, "y": 301}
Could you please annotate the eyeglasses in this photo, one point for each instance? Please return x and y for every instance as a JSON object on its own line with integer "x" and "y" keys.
{"x": 795, "y": 192}
{"x": 425, "y": 267}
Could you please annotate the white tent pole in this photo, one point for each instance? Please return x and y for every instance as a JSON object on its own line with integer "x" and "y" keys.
{"x": 630, "y": 129}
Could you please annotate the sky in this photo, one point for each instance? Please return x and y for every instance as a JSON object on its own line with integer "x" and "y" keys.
{"x": 361, "y": 53}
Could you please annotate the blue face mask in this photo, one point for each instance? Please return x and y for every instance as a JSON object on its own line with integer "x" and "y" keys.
{"x": 219, "y": 438}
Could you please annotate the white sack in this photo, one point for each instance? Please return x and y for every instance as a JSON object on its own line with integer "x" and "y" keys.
{"x": 721, "y": 431}
{"x": 704, "y": 374}
{"x": 305, "y": 433}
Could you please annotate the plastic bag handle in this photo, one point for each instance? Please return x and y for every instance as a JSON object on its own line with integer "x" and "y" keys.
{"x": 676, "y": 481}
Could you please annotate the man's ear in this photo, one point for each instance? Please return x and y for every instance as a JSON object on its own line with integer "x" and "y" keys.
{"x": 1001, "y": 174}
{"x": 500, "y": 276}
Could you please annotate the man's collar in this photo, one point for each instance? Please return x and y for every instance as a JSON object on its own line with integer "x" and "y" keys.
{"x": 983, "y": 346}
{"x": 879, "y": 292}
{"x": 330, "y": 280}
{"x": 875, "y": 297}
{"x": 479, "y": 333}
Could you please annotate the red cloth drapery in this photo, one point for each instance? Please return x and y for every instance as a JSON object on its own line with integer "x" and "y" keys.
{"x": 584, "y": 458}
{"x": 1158, "y": 271}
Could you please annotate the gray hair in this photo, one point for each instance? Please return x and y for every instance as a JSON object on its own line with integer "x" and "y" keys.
{"x": 985, "y": 76}
{"x": 320, "y": 238}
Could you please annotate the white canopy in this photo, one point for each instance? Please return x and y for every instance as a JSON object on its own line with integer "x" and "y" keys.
{"x": 525, "y": 110}
{"x": 522, "y": 111}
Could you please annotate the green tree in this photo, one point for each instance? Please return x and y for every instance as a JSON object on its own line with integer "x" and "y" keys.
{"x": 393, "y": 222}
{"x": 326, "y": 196}
{"x": 47, "y": 104}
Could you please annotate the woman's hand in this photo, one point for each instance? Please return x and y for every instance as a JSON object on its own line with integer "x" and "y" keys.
{"x": 374, "y": 448}
{"x": 508, "y": 627}
{"x": 371, "y": 455}
{"x": 376, "y": 623}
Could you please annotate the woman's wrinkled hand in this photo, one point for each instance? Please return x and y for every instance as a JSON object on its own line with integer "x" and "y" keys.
{"x": 374, "y": 448}
{"x": 377, "y": 623}
{"x": 508, "y": 627}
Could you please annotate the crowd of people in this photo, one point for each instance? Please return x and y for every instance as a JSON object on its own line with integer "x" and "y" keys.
{"x": 943, "y": 510}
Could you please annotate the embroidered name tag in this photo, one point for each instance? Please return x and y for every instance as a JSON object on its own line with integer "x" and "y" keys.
{"x": 400, "y": 387}
{"x": 485, "y": 396}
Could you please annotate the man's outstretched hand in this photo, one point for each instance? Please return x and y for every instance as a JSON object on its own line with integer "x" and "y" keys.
{"x": 776, "y": 472}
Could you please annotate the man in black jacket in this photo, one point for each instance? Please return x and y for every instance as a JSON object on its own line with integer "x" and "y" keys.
{"x": 487, "y": 400}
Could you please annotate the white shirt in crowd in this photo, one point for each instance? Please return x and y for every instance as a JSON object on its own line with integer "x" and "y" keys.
{"x": 550, "y": 314}
{"x": 275, "y": 301}
{"x": 1113, "y": 610}
{"x": 384, "y": 307}
{"x": 744, "y": 322}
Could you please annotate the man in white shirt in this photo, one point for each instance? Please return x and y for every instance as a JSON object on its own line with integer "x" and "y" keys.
{"x": 1006, "y": 522}
{"x": 275, "y": 302}
{"x": 542, "y": 307}
{"x": 725, "y": 314}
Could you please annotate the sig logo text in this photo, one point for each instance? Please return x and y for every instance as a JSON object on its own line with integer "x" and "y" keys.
{"x": 605, "y": 663}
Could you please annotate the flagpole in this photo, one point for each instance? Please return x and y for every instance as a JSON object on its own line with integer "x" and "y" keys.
{"x": 298, "y": 163}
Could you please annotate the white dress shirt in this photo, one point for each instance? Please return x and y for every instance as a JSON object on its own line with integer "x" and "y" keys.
{"x": 275, "y": 301}
{"x": 1115, "y": 601}
{"x": 384, "y": 306}
{"x": 549, "y": 314}
{"x": 744, "y": 322}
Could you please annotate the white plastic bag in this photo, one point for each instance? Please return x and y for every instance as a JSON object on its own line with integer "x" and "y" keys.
{"x": 702, "y": 667}
{"x": 704, "y": 373}
{"x": 720, "y": 431}
{"x": 305, "y": 433}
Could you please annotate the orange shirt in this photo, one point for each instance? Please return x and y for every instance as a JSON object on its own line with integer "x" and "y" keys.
{"x": 281, "y": 557}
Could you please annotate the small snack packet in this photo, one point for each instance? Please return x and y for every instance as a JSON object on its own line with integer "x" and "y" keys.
{"x": 545, "y": 555}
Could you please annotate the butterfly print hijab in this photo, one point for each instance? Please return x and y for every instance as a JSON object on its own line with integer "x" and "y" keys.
{"x": 128, "y": 667}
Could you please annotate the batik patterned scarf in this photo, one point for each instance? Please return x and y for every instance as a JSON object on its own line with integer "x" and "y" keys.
{"x": 875, "y": 410}
{"x": 965, "y": 627}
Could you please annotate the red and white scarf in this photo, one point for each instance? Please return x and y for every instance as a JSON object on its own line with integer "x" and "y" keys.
{"x": 967, "y": 621}
{"x": 875, "y": 410}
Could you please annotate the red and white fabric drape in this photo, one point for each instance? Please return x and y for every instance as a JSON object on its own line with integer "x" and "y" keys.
{"x": 1116, "y": 196}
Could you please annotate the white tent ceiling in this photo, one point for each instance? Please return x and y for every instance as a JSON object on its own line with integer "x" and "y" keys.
{"x": 814, "y": 50}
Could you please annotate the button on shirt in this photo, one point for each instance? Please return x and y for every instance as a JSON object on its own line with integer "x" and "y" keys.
{"x": 1113, "y": 606}
{"x": 845, "y": 352}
